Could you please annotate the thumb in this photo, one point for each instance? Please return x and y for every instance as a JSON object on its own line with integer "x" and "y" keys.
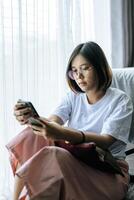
{"x": 43, "y": 120}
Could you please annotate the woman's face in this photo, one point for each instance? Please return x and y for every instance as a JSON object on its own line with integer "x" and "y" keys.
{"x": 84, "y": 74}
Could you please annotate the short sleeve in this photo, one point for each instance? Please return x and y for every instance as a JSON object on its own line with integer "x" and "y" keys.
{"x": 64, "y": 109}
{"x": 118, "y": 123}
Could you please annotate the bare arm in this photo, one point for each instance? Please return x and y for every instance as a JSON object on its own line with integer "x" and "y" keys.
{"x": 103, "y": 141}
{"x": 18, "y": 186}
{"x": 55, "y": 118}
{"x": 75, "y": 136}
{"x": 57, "y": 131}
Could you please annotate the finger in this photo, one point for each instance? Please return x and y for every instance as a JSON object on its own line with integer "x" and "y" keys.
{"x": 20, "y": 105}
{"x": 38, "y": 128}
{"x": 35, "y": 122}
{"x": 44, "y": 121}
{"x": 23, "y": 122}
{"x": 22, "y": 118}
{"x": 24, "y": 111}
{"x": 37, "y": 132}
{"x": 20, "y": 101}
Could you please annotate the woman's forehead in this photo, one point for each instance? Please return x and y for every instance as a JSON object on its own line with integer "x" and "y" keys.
{"x": 79, "y": 60}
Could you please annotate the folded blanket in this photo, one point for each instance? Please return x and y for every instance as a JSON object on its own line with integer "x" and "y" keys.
{"x": 92, "y": 155}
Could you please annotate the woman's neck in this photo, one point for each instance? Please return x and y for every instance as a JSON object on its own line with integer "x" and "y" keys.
{"x": 94, "y": 96}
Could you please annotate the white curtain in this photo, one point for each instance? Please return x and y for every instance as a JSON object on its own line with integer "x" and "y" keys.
{"x": 36, "y": 39}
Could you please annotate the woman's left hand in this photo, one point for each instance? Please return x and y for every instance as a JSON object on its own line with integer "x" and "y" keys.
{"x": 47, "y": 129}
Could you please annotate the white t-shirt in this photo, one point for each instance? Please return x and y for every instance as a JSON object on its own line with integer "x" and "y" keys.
{"x": 110, "y": 115}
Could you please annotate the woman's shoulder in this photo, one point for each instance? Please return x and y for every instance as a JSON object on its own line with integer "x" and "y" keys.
{"x": 115, "y": 92}
{"x": 118, "y": 95}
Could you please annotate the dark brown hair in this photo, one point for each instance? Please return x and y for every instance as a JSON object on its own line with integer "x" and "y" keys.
{"x": 93, "y": 53}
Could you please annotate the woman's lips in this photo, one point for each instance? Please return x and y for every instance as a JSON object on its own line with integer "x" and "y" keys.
{"x": 82, "y": 83}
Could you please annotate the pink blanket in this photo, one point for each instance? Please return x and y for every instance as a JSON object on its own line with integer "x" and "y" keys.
{"x": 52, "y": 173}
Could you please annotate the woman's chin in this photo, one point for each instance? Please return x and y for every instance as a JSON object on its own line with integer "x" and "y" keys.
{"x": 83, "y": 88}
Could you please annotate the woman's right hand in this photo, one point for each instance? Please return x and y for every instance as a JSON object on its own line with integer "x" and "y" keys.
{"x": 22, "y": 112}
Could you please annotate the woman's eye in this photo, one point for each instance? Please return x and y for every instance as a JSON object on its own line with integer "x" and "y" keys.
{"x": 74, "y": 71}
{"x": 85, "y": 68}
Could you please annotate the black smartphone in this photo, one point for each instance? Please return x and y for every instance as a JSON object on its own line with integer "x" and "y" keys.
{"x": 29, "y": 104}
{"x": 34, "y": 122}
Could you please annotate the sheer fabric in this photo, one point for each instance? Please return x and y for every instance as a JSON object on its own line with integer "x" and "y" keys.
{"x": 36, "y": 39}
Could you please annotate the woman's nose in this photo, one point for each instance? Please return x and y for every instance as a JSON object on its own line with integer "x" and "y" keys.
{"x": 79, "y": 74}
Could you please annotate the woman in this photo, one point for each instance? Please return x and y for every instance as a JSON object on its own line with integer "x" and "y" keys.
{"x": 94, "y": 112}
